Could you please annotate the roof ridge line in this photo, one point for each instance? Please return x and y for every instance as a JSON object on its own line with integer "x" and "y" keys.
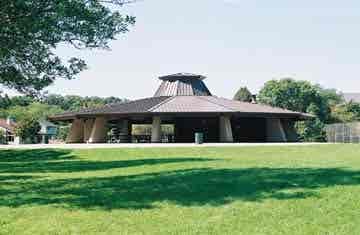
{"x": 161, "y": 103}
{"x": 210, "y": 101}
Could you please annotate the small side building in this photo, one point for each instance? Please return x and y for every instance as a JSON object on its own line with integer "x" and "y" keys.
{"x": 7, "y": 126}
{"x": 47, "y": 132}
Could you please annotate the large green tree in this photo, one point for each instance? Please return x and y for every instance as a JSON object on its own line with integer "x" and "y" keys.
{"x": 302, "y": 96}
{"x": 31, "y": 30}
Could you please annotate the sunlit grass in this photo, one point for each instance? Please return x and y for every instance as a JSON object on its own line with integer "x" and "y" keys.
{"x": 246, "y": 190}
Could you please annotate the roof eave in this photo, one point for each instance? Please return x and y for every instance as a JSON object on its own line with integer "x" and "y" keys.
{"x": 298, "y": 116}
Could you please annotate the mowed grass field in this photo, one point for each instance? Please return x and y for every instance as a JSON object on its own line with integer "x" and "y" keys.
{"x": 234, "y": 190}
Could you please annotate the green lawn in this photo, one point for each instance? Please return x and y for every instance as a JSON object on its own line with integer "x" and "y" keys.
{"x": 246, "y": 190}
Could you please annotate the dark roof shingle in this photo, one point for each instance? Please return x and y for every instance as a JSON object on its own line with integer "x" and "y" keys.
{"x": 183, "y": 104}
{"x": 182, "y": 93}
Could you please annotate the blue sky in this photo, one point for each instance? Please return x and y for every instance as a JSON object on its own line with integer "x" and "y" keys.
{"x": 232, "y": 42}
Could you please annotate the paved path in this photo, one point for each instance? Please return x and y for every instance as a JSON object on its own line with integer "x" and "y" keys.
{"x": 101, "y": 146}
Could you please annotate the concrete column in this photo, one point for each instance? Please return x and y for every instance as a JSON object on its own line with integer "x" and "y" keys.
{"x": 124, "y": 127}
{"x": 99, "y": 131}
{"x": 88, "y": 125}
{"x": 156, "y": 130}
{"x": 275, "y": 131}
{"x": 43, "y": 139}
{"x": 76, "y": 133}
{"x": 290, "y": 131}
{"x": 225, "y": 131}
{"x": 125, "y": 131}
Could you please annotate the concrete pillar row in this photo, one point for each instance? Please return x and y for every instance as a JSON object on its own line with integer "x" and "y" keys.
{"x": 99, "y": 131}
{"x": 226, "y": 135}
{"x": 156, "y": 130}
{"x": 76, "y": 133}
{"x": 275, "y": 131}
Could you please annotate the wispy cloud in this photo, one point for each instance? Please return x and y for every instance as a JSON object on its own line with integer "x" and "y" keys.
{"x": 232, "y": 2}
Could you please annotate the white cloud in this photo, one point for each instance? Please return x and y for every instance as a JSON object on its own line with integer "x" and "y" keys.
{"x": 232, "y": 2}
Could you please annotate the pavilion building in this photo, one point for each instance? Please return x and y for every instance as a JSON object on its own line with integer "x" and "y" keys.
{"x": 184, "y": 101}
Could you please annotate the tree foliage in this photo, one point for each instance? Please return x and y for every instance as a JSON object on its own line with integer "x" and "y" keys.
{"x": 37, "y": 111}
{"x": 63, "y": 132}
{"x": 19, "y": 106}
{"x": 302, "y": 96}
{"x": 30, "y": 31}
{"x": 346, "y": 112}
{"x": 243, "y": 94}
{"x": 311, "y": 130}
{"x": 74, "y": 103}
{"x": 27, "y": 129}
{"x": 2, "y": 137}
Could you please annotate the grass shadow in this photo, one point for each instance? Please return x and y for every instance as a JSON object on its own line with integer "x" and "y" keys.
{"x": 34, "y": 155}
{"x": 192, "y": 187}
{"x": 83, "y": 165}
{"x": 63, "y": 161}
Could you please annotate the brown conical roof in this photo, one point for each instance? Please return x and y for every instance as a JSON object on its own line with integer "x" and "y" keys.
{"x": 182, "y": 84}
{"x": 183, "y": 93}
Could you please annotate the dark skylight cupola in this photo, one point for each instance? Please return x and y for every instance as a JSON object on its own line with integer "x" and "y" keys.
{"x": 182, "y": 84}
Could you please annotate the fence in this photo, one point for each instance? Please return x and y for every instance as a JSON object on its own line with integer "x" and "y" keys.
{"x": 343, "y": 132}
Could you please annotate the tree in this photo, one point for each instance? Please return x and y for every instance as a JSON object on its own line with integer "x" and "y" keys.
{"x": 332, "y": 96}
{"x": 347, "y": 112}
{"x": 75, "y": 103}
{"x": 243, "y": 94}
{"x": 62, "y": 132}
{"x": 27, "y": 129}
{"x": 2, "y": 137}
{"x": 5, "y": 101}
{"x": 30, "y": 31}
{"x": 35, "y": 110}
{"x": 21, "y": 101}
{"x": 311, "y": 130}
{"x": 112, "y": 99}
{"x": 302, "y": 96}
